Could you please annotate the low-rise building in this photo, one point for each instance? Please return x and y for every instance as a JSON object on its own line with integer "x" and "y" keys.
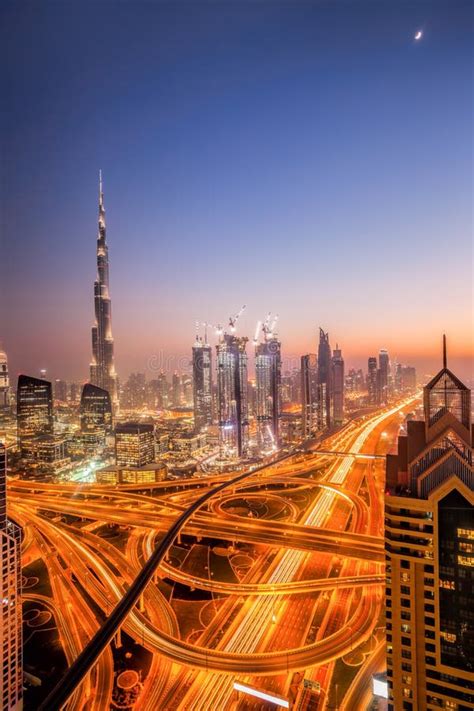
{"x": 147, "y": 474}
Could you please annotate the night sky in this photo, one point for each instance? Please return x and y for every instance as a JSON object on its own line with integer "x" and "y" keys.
{"x": 305, "y": 158}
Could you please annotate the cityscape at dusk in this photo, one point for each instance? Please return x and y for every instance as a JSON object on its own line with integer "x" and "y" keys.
{"x": 236, "y": 356}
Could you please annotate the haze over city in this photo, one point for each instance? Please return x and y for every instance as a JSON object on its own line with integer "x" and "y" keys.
{"x": 292, "y": 158}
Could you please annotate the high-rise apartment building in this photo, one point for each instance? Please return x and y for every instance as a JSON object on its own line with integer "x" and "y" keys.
{"x": 96, "y": 414}
{"x": 202, "y": 384}
{"x": 338, "y": 387}
{"x": 268, "y": 391}
{"x": 34, "y": 403}
{"x": 372, "y": 381}
{"x": 11, "y": 669}
{"x": 232, "y": 384}
{"x": 134, "y": 444}
{"x": 4, "y": 382}
{"x": 102, "y": 368}
{"x": 177, "y": 390}
{"x": 324, "y": 380}
{"x": 163, "y": 391}
{"x": 384, "y": 372}
{"x": 429, "y": 540}
{"x": 309, "y": 394}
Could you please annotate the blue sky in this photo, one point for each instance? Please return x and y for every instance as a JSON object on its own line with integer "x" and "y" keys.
{"x": 306, "y": 158}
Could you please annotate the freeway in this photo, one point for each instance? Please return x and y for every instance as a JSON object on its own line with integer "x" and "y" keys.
{"x": 338, "y": 523}
{"x": 89, "y": 655}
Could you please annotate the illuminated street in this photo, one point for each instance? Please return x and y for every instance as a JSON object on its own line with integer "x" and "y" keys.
{"x": 301, "y": 542}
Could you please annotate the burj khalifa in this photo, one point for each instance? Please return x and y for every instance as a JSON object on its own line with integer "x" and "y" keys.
{"x": 102, "y": 369}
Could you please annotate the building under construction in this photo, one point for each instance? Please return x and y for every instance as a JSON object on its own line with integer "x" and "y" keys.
{"x": 268, "y": 387}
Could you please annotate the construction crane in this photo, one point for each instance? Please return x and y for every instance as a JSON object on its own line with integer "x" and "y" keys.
{"x": 233, "y": 319}
{"x": 267, "y": 327}
{"x": 219, "y": 328}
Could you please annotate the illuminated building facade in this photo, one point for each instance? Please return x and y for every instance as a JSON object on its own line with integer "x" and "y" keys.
{"x": 176, "y": 390}
{"x": 268, "y": 392}
{"x": 11, "y": 669}
{"x": 134, "y": 444}
{"x": 372, "y": 381}
{"x": 232, "y": 386}
{"x": 147, "y": 474}
{"x": 4, "y": 382}
{"x": 324, "y": 381}
{"x": 96, "y": 414}
{"x": 102, "y": 368}
{"x": 429, "y": 540}
{"x": 202, "y": 384}
{"x": 383, "y": 376}
{"x": 49, "y": 451}
{"x": 34, "y": 407}
{"x": 309, "y": 394}
{"x": 338, "y": 386}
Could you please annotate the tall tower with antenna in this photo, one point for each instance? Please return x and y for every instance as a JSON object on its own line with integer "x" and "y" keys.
{"x": 102, "y": 368}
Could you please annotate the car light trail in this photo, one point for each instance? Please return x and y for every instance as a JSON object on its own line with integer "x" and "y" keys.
{"x": 277, "y": 700}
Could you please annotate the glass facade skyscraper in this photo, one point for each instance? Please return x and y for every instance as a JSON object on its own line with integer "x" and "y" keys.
{"x": 34, "y": 407}
{"x": 96, "y": 414}
{"x": 202, "y": 384}
{"x": 232, "y": 385}
{"x": 268, "y": 392}
{"x": 309, "y": 394}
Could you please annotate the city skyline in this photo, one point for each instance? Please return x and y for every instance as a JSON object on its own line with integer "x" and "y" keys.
{"x": 326, "y": 208}
{"x": 236, "y": 355}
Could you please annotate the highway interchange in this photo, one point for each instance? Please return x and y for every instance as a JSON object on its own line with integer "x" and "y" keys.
{"x": 310, "y": 529}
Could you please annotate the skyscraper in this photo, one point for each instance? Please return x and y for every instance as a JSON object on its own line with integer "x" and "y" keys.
{"x": 324, "y": 380}
{"x": 309, "y": 394}
{"x": 60, "y": 390}
{"x": 11, "y": 669}
{"x": 34, "y": 404}
{"x": 372, "y": 381}
{"x": 4, "y": 382}
{"x": 96, "y": 414}
{"x": 176, "y": 390}
{"x": 232, "y": 383}
{"x": 429, "y": 541}
{"x": 338, "y": 386}
{"x": 202, "y": 384}
{"x": 268, "y": 390}
{"x": 102, "y": 369}
{"x": 384, "y": 371}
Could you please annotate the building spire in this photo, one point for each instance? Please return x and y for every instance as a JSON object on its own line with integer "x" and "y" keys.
{"x": 101, "y": 194}
{"x": 445, "y": 358}
{"x": 101, "y": 206}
